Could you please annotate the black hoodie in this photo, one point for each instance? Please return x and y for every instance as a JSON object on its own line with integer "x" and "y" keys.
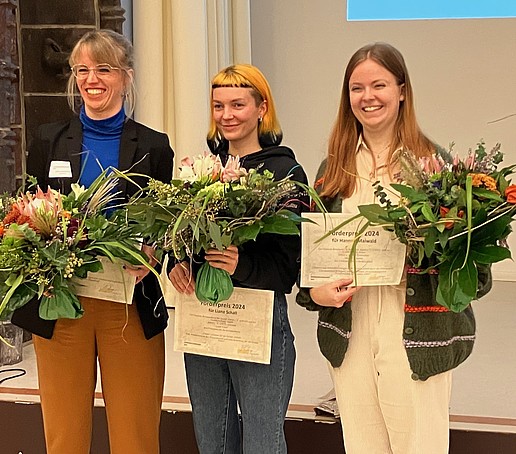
{"x": 272, "y": 261}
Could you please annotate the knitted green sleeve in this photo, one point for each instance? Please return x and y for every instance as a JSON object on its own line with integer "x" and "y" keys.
{"x": 304, "y": 299}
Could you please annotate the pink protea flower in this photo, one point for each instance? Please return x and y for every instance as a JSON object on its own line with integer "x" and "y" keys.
{"x": 232, "y": 170}
{"x": 41, "y": 210}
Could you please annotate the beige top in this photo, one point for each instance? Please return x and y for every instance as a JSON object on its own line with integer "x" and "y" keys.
{"x": 368, "y": 173}
{"x": 371, "y": 300}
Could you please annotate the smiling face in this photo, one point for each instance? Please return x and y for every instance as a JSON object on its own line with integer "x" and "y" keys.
{"x": 236, "y": 113}
{"x": 375, "y": 97}
{"x": 103, "y": 96}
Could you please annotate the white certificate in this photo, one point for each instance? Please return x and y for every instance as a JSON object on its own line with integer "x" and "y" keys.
{"x": 239, "y": 328}
{"x": 113, "y": 283}
{"x": 379, "y": 257}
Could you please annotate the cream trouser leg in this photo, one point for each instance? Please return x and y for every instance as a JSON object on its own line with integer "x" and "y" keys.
{"x": 384, "y": 411}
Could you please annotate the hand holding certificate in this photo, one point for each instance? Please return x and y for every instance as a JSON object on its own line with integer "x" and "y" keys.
{"x": 113, "y": 283}
{"x": 377, "y": 259}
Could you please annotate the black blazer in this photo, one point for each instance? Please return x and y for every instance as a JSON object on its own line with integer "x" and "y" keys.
{"x": 142, "y": 150}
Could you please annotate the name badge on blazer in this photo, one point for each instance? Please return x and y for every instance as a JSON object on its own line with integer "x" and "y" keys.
{"x": 60, "y": 169}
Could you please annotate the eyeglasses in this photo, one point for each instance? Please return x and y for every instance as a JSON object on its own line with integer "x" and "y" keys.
{"x": 103, "y": 70}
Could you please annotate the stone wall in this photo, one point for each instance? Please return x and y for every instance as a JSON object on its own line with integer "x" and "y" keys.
{"x": 10, "y": 104}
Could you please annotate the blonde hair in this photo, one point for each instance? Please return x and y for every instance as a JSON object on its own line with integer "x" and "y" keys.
{"x": 104, "y": 46}
{"x": 246, "y": 76}
{"x": 339, "y": 175}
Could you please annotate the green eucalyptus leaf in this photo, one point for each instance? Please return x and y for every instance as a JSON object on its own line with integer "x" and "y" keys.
{"x": 417, "y": 206}
{"x": 420, "y": 253}
{"x": 443, "y": 238}
{"x": 440, "y": 226}
{"x": 27, "y": 232}
{"x": 396, "y": 214}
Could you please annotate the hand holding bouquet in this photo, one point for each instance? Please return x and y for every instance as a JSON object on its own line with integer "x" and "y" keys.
{"x": 214, "y": 206}
{"x": 454, "y": 217}
{"x": 48, "y": 238}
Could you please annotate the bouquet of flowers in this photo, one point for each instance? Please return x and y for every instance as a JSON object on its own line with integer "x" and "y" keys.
{"x": 214, "y": 206}
{"x": 454, "y": 217}
{"x": 47, "y": 238}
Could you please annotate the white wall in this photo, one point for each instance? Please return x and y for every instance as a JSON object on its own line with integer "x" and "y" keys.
{"x": 463, "y": 73}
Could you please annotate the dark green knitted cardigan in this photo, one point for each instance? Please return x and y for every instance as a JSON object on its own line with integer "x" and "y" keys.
{"x": 435, "y": 339}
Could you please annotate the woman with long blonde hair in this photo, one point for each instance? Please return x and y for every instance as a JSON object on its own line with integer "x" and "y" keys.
{"x": 391, "y": 349}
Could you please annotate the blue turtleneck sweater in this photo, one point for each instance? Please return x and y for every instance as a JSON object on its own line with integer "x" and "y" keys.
{"x": 100, "y": 145}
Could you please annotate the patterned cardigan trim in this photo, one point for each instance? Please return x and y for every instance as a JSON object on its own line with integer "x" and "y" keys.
{"x": 412, "y": 270}
{"x": 413, "y": 309}
{"x": 441, "y": 343}
{"x": 344, "y": 334}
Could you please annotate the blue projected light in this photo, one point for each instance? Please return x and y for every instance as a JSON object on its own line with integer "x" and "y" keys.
{"x": 360, "y": 10}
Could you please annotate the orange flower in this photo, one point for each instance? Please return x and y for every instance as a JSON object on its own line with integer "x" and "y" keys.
{"x": 12, "y": 216}
{"x": 481, "y": 179}
{"x": 443, "y": 211}
{"x": 1, "y": 230}
{"x": 510, "y": 193}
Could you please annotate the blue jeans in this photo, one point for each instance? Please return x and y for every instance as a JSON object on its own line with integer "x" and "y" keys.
{"x": 261, "y": 391}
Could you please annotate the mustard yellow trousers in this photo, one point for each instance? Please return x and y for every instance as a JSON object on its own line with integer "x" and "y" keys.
{"x": 132, "y": 372}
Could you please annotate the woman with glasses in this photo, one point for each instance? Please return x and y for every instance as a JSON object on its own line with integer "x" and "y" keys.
{"x": 126, "y": 339}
